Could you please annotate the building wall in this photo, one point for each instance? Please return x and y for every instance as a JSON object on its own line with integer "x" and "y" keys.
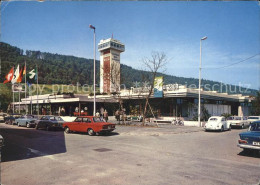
{"x": 217, "y": 110}
{"x": 243, "y": 111}
{"x": 109, "y": 71}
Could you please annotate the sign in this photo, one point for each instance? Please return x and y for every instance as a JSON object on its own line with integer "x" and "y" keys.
{"x": 17, "y": 88}
{"x": 158, "y": 87}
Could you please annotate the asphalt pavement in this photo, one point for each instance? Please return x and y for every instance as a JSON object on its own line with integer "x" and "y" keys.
{"x": 130, "y": 155}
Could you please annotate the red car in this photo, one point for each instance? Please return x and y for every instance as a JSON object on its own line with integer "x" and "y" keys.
{"x": 89, "y": 124}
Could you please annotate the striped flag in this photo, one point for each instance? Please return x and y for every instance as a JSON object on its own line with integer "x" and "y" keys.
{"x": 9, "y": 76}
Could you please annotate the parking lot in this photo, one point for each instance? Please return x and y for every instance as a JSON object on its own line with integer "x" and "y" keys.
{"x": 131, "y": 155}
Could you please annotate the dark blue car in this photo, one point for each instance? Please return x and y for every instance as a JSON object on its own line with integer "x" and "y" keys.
{"x": 250, "y": 140}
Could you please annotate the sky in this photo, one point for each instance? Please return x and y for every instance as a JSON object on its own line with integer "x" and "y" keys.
{"x": 172, "y": 27}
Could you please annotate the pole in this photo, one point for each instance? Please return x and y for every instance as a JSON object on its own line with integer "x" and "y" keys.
{"x": 199, "y": 106}
{"x": 94, "y": 111}
{"x": 31, "y": 98}
{"x": 199, "y": 87}
{"x": 37, "y": 91}
{"x": 26, "y": 112}
{"x": 13, "y": 96}
{"x": 19, "y": 102}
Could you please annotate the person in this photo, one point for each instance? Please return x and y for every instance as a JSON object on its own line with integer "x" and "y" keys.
{"x": 97, "y": 114}
{"x": 105, "y": 115}
{"x": 63, "y": 111}
{"x": 117, "y": 115}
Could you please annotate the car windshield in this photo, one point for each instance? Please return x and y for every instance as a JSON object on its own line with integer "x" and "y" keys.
{"x": 52, "y": 118}
{"x": 255, "y": 127}
{"x": 58, "y": 118}
{"x": 237, "y": 118}
{"x": 213, "y": 119}
{"x": 230, "y": 118}
{"x": 95, "y": 119}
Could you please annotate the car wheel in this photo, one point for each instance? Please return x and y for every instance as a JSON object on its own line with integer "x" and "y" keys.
{"x": 242, "y": 127}
{"x": 91, "y": 132}
{"x": 229, "y": 128}
{"x": 27, "y": 125}
{"x": 18, "y": 124}
{"x": 67, "y": 130}
{"x": 36, "y": 127}
{"x": 222, "y": 128}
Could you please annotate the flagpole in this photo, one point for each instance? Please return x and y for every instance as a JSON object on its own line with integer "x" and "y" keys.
{"x": 30, "y": 92}
{"x": 19, "y": 101}
{"x": 25, "y": 91}
{"x": 37, "y": 89}
{"x": 13, "y": 96}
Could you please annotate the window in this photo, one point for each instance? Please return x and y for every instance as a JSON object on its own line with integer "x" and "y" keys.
{"x": 223, "y": 119}
{"x": 97, "y": 119}
{"x": 86, "y": 120}
{"x": 52, "y": 118}
{"x": 255, "y": 127}
{"x": 78, "y": 119}
{"x": 237, "y": 118}
{"x": 213, "y": 119}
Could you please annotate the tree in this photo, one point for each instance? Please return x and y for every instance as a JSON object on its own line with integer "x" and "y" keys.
{"x": 153, "y": 65}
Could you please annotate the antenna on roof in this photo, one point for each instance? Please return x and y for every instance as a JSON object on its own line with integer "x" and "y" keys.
{"x": 112, "y": 35}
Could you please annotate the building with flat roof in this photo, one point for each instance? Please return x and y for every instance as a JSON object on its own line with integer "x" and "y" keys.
{"x": 177, "y": 100}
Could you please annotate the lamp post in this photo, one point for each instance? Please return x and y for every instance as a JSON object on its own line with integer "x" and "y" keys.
{"x": 199, "y": 107}
{"x": 94, "y": 80}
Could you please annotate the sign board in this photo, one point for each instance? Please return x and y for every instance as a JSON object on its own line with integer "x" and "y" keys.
{"x": 17, "y": 88}
{"x": 158, "y": 87}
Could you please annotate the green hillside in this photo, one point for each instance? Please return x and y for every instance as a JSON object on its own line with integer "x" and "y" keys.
{"x": 63, "y": 69}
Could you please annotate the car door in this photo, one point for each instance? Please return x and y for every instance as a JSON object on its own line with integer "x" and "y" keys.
{"x": 75, "y": 126}
{"x": 41, "y": 122}
{"x": 85, "y": 124}
{"x": 224, "y": 123}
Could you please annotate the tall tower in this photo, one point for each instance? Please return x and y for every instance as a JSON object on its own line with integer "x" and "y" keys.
{"x": 110, "y": 50}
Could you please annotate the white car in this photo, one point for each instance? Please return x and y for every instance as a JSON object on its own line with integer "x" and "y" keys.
{"x": 217, "y": 123}
{"x": 2, "y": 116}
{"x": 238, "y": 121}
{"x": 251, "y": 119}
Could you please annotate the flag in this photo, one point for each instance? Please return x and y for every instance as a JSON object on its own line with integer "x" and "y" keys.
{"x": 24, "y": 69}
{"x": 16, "y": 75}
{"x": 31, "y": 76}
{"x": 19, "y": 80}
{"x": 92, "y": 27}
{"x": 9, "y": 76}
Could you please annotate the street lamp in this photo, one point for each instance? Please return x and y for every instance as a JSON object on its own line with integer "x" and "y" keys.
{"x": 94, "y": 83}
{"x": 203, "y": 38}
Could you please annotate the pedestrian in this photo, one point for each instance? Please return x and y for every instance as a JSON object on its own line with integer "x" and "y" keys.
{"x": 105, "y": 115}
{"x": 97, "y": 114}
{"x": 117, "y": 115}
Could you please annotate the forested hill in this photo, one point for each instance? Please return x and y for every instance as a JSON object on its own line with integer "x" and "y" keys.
{"x": 63, "y": 69}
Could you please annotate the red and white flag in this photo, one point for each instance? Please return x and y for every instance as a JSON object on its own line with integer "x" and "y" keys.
{"x": 9, "y": 76}
{"x": 16, "y": 75}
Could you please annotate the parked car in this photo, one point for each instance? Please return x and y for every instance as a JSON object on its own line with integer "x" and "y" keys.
{"x": 89, "y": 124}
{"x": 217, "y": 123}
{"x": 250, "y": 140}
{"x": 10, "y": 119}
{"x": 49, "y": 122}
{"x": 2, "y": 117}
{"x": 238, "y": 121}
{"x": 26, "y": 121}
{"x": 251, "y": 119}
